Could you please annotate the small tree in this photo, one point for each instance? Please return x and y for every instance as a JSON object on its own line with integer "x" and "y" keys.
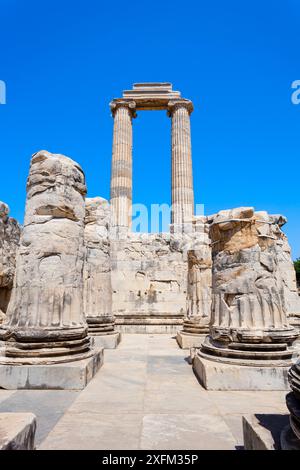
{"x": 297, "y": 269}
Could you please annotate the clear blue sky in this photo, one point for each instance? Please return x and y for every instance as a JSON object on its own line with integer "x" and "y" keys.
{"x": 63, "y": 61}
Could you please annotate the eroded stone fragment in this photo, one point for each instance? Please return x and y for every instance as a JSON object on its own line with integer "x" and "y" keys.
{"x": 45, "y": 320}
{"x": 97, "y": 268}
{"x": 199, "y": 288}
{"x": 10, "y": 231}
{"x": 286, "y": 271}
{"x": 249, "y": 317}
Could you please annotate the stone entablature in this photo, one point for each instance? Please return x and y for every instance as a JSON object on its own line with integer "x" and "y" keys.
{"x": 151, "y": 96}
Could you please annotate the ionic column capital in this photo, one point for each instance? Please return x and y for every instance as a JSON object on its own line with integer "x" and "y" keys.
{"x": 130, "y": 105}
{"x": 177, "y": 104}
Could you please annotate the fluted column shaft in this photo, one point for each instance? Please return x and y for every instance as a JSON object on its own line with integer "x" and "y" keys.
{"x": 182, "y": 174}
{"x": 248, "y": 295}
{"x": 97, "y": 292}
{"x": 45, "y": 320}
{"x": 121, "y": 173}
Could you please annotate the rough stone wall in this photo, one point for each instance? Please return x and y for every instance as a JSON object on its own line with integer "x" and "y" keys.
{"x": 10, "y": 231}
{"x": 149, "y": 280}
{"x": 97, "y": 273}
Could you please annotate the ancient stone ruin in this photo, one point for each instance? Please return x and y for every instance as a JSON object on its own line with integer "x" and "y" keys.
{"x": 97, "y": 286}
{"x": 225, "y": 283}
{"x": 45, "y": 322}
{"x": 199, "y": 288}
{"x": 9, "y": 240}
{"x": 249, "y": 324}
{"x": 149, "y": 271}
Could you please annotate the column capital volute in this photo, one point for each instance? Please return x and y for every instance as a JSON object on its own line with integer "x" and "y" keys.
{"x": 119, "y": 103}
{"x": 177, "y": 104}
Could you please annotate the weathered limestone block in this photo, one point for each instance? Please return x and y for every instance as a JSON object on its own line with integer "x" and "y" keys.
{"x": 45, "y": 321}
{"x": 149, "y": 282}
{"x": 249, "y": 321}
{"x": 286, "y": 272}
{"x": 247, "y": 289}
{"x": 17, "y": 431}
{"x": 262, "y": 431}
{"x": 10, "y": 231}
{"x": 199, "y": 291}
{"x": 97, "y": 272}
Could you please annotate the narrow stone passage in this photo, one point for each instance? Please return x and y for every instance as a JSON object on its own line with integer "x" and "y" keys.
{"x": 147, "y": 397}
{"x": 144, "y": 397}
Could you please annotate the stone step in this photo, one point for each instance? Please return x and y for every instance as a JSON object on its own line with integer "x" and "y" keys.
{"x": 17, "y": 431}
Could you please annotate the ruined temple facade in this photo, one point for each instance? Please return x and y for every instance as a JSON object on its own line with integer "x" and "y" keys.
{"x": 161, "y": 281}
{"x": 78, "y": 276}
{"x": 150, "y": 271}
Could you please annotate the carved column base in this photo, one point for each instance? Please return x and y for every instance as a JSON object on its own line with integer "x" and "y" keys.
{"x": 290, "y": 436}
{"x": 293, "y": 405}
{"x": 66, "y": 374}
{"x": 102, "y": 330}
{"x": 192, "y": 334}
{"x": 247, "y": 353}
{"x": 45, "y": 346}
{"x": 194, "y": 326}
{"x": 286, "y": 334}
{"x": 294, "y": 379}
{"x": 242, "y": 366}
{"x": 104, "y": 325}
{"x": 294, "y": 320}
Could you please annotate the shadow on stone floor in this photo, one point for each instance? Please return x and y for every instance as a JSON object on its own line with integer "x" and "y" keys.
{"x": 48, "y": 406}
{"x": 274, "y": 423}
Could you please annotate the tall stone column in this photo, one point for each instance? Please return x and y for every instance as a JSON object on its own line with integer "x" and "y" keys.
{"x": 45, "y": 321}
{"x": 182, "y": 174}
{"x": 97, "y": 292}
{"x": 290, "y": 436}
{"x": 250, "y": 336}
{"x": 199, "y": 289}
{"x": 121, "y": 173}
